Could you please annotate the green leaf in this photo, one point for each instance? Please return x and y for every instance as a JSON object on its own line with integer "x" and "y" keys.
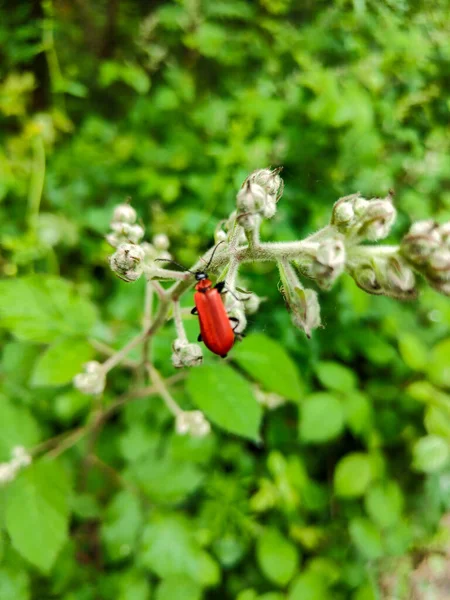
{"x": 37, "y": 513}
{"x": 43, "y": 308}
{"x": 336, "y": 377}
{"x": 164, "y": 479}
{"x": 226, "y": 398}
{"x": 277, "y": 557}
{"x": 352, "y": 475}
{"x": 272, "y": 596}
{"x": 270, "y": 365}
{"x": 322, "y": 418}
{"x": 178, "y": 587}
{"x": 358, "y": 412}
{"x": 439, "y": 365}
{"x": 133, "y": 586}
{"x": 366, "y": 537}
{"x": 61, "y": 362}
{"x": 14, "y": 584}
{"x": 18, "y": 428}
{"x": 169, "y": 549}
{"x": 430, "y": 453}
{"x": 413, "y": 351}
{"x": 121, "y": 525}
{"x": 384, "y": 502}
{"x": 309, "y": 586}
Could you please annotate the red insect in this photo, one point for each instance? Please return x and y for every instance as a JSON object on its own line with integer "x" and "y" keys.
{"x": 215, "y": 327}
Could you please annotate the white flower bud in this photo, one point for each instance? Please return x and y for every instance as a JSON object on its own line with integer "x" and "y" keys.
{"x": 124, "y": 233}
{"x": 324, "y": 263}
{"x": 268, "y": 399}
{"x": 362, "y": 219}
{"x": 383, "y": 275}
{"x": 220, "y": 236}
{"x": 268, "y": 179}
{"x": 127, "y": 262}
{"x": 238, "y": 319}
{"x": 124, "y": 213}
{"x": 20, "y": 459}
{"x": 192, "y": 422}
{"x": 440, "y": 262}
{"x": 161, "y": 241}
{"x": 186, "y": 354}
{"x": 93, "y": 380}
{"x": 252, "y": 303}
{"x": 343, "y": 213}
{"x": 251, "y": 198}
{"x": 305, "y": 310}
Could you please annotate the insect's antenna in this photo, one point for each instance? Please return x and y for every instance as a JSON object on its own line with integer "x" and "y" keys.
{"x": 167, "y": 260}
{"x": 212, "y": 255}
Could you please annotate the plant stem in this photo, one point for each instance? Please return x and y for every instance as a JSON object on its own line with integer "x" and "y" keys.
{"x": 159, "y": 384}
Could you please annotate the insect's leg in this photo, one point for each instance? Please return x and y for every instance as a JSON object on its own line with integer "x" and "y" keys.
{"x": 194, "y": 311}
{"x": 199, "y": 339}
{"x": 220, "y": 287}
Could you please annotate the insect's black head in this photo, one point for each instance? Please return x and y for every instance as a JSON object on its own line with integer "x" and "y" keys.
{"x": 200, "y": 275}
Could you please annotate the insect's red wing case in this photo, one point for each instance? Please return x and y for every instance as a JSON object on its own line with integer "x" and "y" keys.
{"x": 215, "y": 328}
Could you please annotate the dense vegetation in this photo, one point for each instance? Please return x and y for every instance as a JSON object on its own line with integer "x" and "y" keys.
{"x": 339, "y": 493}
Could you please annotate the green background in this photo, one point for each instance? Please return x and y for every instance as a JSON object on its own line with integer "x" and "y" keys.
{"x": 336, "y": 493}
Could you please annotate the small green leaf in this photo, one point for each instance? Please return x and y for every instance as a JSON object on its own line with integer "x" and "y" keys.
{"x": 43, "y": 308}
{"x": 270, "y": 365}
{"x": 352, "y": 475}
{"x": 430, "y": 453}
{"x": 322, "y": 418}
{"x": 37, "y": 513}
{"x": 226, "y": 398}
{"x": 336, "y": 377}
{"x": 14, "y": 584}
{"x": 358, "y": 412}
{"x": 178, "y": 586}
{"x": 18, "y": 428}
{"x": 384, "y": 502}
{"x": 309, "y": 586}
{"x": 277, "y": 557}
{"x": 121, "y": 525}
{"x": 366, "y": 537}
{"x": 413, "y": 351}
{"x": 133, "y": 586}
{"x": 170, "y": 549}
{"x": 61, "y": 362}
{"x": 439, "y": 365}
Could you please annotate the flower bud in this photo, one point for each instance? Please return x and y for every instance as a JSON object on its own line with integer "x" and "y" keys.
{"x": 324, "y": 262}
{"x": 238, "y": 319}
{"x": 186, "y": 354}
{"x": 361, "y": 219}
{"x": 127, "y": 262}
{"x": 305, "y": 310}
{"x": 252, "y": 303}
{"x": 93, "y": 380}
{"x": 192, "y": 422}
{"x": 124, "y": 213}
{"x": 421, "y": 241}
{"x": 161, "y": 241}
{"x": 269, "y": 180}
{"x": 382, "y": 275}
{"x": 268, "y": 399}
{"x": 124, "y": 233}
{"x": 251, "y": 198}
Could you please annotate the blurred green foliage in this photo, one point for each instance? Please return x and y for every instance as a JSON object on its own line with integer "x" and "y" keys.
{"x": 174, "y": 103}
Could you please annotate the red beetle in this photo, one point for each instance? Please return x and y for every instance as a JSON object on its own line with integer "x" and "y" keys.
{"x": 215, "y": 327}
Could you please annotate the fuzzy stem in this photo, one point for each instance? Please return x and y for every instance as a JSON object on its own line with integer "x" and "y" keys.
{"x": 161, "y": 388}
{"x": 178, "y": 320}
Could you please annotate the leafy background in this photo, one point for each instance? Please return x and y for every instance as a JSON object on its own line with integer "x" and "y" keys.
{"x": 339, "y": 492}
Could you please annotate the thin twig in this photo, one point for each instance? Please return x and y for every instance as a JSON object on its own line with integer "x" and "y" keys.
{"x": 108, "y": 351}
{"x": 159, "y": 384}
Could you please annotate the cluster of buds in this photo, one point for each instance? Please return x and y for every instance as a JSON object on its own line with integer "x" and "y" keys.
{"x": 20, "y": 459}
{"x": 268, "y": 399}
{"x": 124, "y": 227}
{"x": 258, "y": 197}
{"x": 192, "y": 422}
{"x": 360, "y": 219}
{"x": 323, "y": 261}
{"x": 427, "y": 247}
{"x": 92, "y": 380}
{"x": 185, "y": 354}
{"x": 132, "y": 256}
{"x": 302, "y": 303}
{"x": 382, "y": 274}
